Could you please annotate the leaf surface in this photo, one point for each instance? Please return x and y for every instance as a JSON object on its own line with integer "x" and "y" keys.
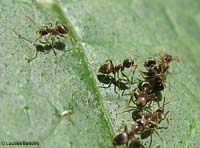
{"x": 34, "y": 95}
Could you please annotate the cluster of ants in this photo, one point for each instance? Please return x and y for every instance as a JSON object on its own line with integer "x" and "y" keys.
{"x": 146, "y": 95}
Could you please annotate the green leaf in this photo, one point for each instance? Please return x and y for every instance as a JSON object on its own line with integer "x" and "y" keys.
{"x": 33, "y": 95}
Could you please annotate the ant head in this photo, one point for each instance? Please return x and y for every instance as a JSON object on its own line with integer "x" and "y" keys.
{"x": 44, "y": 31}
{"x": 167, "y": 58}
{"x": 128, "y": 63}
{"x": 150, "y": 62}
{"x": 62, "y": 29}
{"x": 121, "y": 138}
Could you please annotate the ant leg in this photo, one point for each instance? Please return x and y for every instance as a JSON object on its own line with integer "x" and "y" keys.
{"x": 133, "y": 108}
{"x": 38, "y": 38}
{"x": 50, "y": 24}
{"x": 123, "y": 92}
{"x": 106, "y": 86}
{"x": 125, "y": 76}
{"x": 165, "y": 117}
{"x": 52, "y": 46}
{"x": 57, "y": 23}
{"x": 36, "y": 53}
{"x": 58, "y": 40}
{"x": 130, "y": 100}
{"x": 158, "y": 134}
{"x": 115, "y": 89}
{"x": 150, "y": 141}
{"x": 143, "y": 73}
{"x": 133, "y": 74}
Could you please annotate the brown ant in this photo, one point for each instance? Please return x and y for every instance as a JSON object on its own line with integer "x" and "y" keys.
{"x": 143, "y": 95}
{"x": 60, "y": 30}
{"x": 109, "y": 67}
{"x": 158, "y": 70}
{"x": 149, "y": 122}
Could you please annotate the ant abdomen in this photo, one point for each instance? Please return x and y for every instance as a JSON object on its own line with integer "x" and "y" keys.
{"x": 121, "y": 139}
{"x": 62, "y": 29}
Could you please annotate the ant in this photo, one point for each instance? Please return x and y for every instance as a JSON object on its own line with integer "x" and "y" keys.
{"x": 108, "y": 68}
{"x": 143, "y": 95}
{"x": 58, "y": 31}
{"x": 159, "y": 70}
{"x": 52, "y": 32}
{"x": 107, "y": 79}
{"x": 149, "y": 121}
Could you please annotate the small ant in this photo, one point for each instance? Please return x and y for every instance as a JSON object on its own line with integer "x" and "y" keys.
{"x": 107, "y": 79}
{"x": 58, "y": 31}
{"x": 150, "y": 120}
{"x": 108, "y": 68}
{"x": 155, "y": 70}
{"x": 52, "y": 32}
{"x": 143, "y": 95}
{"x": 153, "y": 118}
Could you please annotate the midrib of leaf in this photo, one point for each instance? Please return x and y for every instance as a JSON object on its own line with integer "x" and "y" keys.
{"x": 89, "y": 80}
